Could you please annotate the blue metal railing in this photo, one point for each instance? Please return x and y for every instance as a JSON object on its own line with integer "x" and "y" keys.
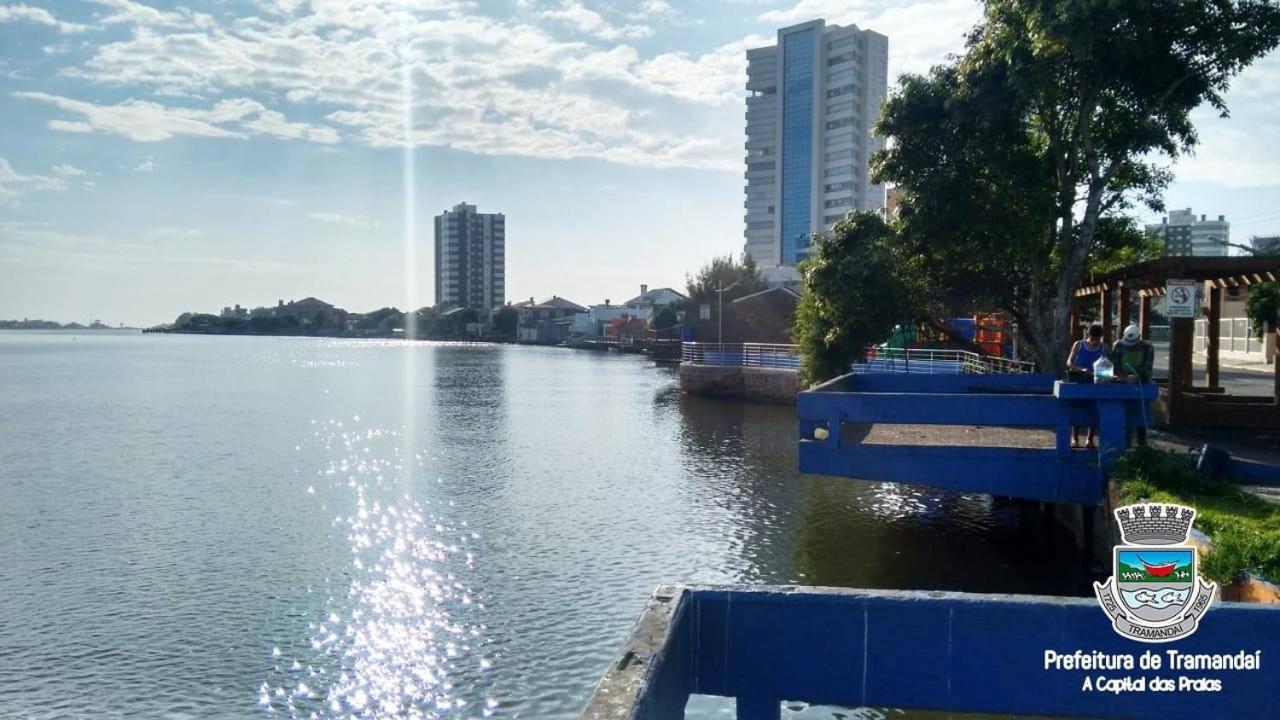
{"x": 761, "y": 355}
{"x": 1010, "y": 400}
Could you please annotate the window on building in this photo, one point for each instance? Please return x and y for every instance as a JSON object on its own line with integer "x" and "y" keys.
{"x": 839, "y": 171}
{"x": 753, "y": 167}
{"x": 839, "y": 107}
{"x": 838, "y": 202}
{"x": 843, "y": 42}
{"x": 837, "y": 187}
{"x": 840, "y": 155}
{"x": 842, "y": 90}
{"x": 844, "y": 57}
{"x": 760, "y": 225}
{"x": 842, "y": 122}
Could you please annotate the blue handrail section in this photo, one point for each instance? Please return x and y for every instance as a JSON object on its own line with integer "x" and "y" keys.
{"x": 1024, "y": 400}
{"x": 944, "y": 651}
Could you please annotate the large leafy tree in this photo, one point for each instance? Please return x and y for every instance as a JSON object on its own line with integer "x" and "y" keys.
{"x": 1014, "y": 158}
{"x": 858, "y": 284}
{"x": 741, "y": 278}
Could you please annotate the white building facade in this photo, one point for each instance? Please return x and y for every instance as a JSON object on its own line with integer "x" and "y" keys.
{"x": 1184, "y": 234}
{"x": 812, "y": 100}
{"x": 471, "y": 258}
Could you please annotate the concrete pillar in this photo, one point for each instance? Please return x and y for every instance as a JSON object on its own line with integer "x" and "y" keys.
{"x": 1123, "y": 320}
{"x": 1181, "y": 336}
{"x": 1211, "y": 332}
{"x": 1276, "y": 363}
{"x": 1104, "y": 315}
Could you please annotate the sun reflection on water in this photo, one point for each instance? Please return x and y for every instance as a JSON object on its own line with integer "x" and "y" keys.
{"x": 400, "y": 633}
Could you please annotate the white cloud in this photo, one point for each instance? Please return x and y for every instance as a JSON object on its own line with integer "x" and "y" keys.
{"x": 473, "y": 83}
{"x": 921, "y": 34}
{"x": 146, "y": 166}
{"x": 14, "y": 184}
{"x": 585, "y": 20}
{"x": 1240, "y": 151}
{"x": 147, "y": 121}
{"x": 172, "y": 233}
{"x": 68, "y": 171}
{"x": 39, "y": 16}
{"x": 341, "y": 219}
{"x": 128, "y": 12}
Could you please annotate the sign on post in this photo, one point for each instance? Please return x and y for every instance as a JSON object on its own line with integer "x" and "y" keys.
{"x": 1180, "y": 298}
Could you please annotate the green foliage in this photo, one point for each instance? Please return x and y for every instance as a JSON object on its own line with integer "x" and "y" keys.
{"x": 1120, "y": 243}
{"x": 1017, "y": 160}
{"x": 1244, "y": 528}
{"x": 741, "y": 277}
{"x": 856, "y": 289}
{"x": 505, "y": 321}
{"x": 1262, "y": 307}
{"x": 665, "y": 321}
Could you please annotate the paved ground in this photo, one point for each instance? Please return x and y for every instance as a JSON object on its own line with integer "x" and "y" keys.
{"x": 1237, "y": 378}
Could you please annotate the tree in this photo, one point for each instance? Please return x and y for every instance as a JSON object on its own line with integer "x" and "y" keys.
{"x": 1263, "y": 308}
{"x": 1013, "y": 157}
{"x": 857, "y": 287}
{"x": 665, "y": 322}
{"x": 505, "y": 321}
{"x": 742, "y": 278}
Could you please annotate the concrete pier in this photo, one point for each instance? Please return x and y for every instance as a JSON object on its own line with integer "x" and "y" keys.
{"x": 772, "y": 385}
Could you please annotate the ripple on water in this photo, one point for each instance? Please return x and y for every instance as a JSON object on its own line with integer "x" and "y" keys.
{"x": 403, "y": 636}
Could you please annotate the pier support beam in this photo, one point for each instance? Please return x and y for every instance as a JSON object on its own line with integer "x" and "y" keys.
{"x": 1211, "y": 333}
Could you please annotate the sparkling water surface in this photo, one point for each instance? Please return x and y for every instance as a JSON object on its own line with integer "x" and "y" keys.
{"x": 294, "y": 527}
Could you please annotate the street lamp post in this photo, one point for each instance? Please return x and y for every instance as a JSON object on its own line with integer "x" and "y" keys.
{"x": 720, "y": 311}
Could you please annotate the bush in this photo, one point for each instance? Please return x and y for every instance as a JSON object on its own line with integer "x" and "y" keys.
{"x": 855, "y": 292}
{"x": 1244, "y": 528}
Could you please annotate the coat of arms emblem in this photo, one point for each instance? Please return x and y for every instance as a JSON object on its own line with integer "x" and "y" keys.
{"x": 1155, "y": 593}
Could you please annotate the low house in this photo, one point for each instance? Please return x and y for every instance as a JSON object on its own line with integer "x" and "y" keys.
{"x": 545, "y": 322}
{"x": 762, "y": 317}
{"x": 595, "y": 322}
{"x": 649, "y": 301}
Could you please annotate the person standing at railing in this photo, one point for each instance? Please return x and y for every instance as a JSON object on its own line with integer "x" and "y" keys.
{"x": 1134, "y": 359}
{"x": 1084, "y": 353}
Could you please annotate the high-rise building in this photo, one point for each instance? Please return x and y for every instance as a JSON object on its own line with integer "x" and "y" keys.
{"x": 471, "y": 264}
{"x": 1185, "y": 235}
{"x": 812, "y": 100}
{"x": 1265, "y": 244}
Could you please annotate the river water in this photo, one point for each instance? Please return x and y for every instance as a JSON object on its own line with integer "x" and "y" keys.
{"x": 281, "y": 527}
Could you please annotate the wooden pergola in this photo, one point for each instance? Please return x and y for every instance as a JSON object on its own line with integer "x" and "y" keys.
{"x": 1186, "y": 403}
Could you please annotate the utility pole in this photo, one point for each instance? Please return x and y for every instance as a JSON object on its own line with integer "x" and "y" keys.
{"x": 720, "y": 310}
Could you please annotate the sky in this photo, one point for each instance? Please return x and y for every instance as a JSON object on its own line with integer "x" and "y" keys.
{"x": 161, "y": 158}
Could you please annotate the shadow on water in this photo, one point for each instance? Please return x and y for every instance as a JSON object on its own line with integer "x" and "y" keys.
{"x": 819, "y": 530}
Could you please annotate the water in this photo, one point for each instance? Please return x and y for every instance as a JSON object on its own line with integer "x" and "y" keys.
{"x": 276, "y": 527}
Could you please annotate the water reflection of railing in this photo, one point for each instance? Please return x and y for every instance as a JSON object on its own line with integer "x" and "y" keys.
{"x": 760, "y": 355}
{"x": 937, "y": 362}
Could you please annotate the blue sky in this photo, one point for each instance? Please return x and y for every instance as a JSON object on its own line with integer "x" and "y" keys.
{"x": 156, "y": 158}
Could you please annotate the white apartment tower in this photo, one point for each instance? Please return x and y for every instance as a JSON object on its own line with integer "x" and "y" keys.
{"x": 812, "y": 100}
{"x": 1184, "y": 234}
{"x": 471, "y": 264}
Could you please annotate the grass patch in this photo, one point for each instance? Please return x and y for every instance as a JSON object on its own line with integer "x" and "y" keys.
{"x": 1244, "y": 528}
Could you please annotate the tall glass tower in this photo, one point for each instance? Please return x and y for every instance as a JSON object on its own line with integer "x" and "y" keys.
{"x": 811, "y": 102}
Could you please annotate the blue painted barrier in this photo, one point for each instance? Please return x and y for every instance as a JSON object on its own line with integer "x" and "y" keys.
{"x": 1013, "y": 400}
{"x": 944, "y": 651}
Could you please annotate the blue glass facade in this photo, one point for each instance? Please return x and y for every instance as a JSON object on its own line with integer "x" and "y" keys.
{"x": 797, "y": 143}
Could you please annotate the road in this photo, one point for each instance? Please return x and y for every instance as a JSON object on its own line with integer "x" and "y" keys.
{"x": 1237, "y": 380}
